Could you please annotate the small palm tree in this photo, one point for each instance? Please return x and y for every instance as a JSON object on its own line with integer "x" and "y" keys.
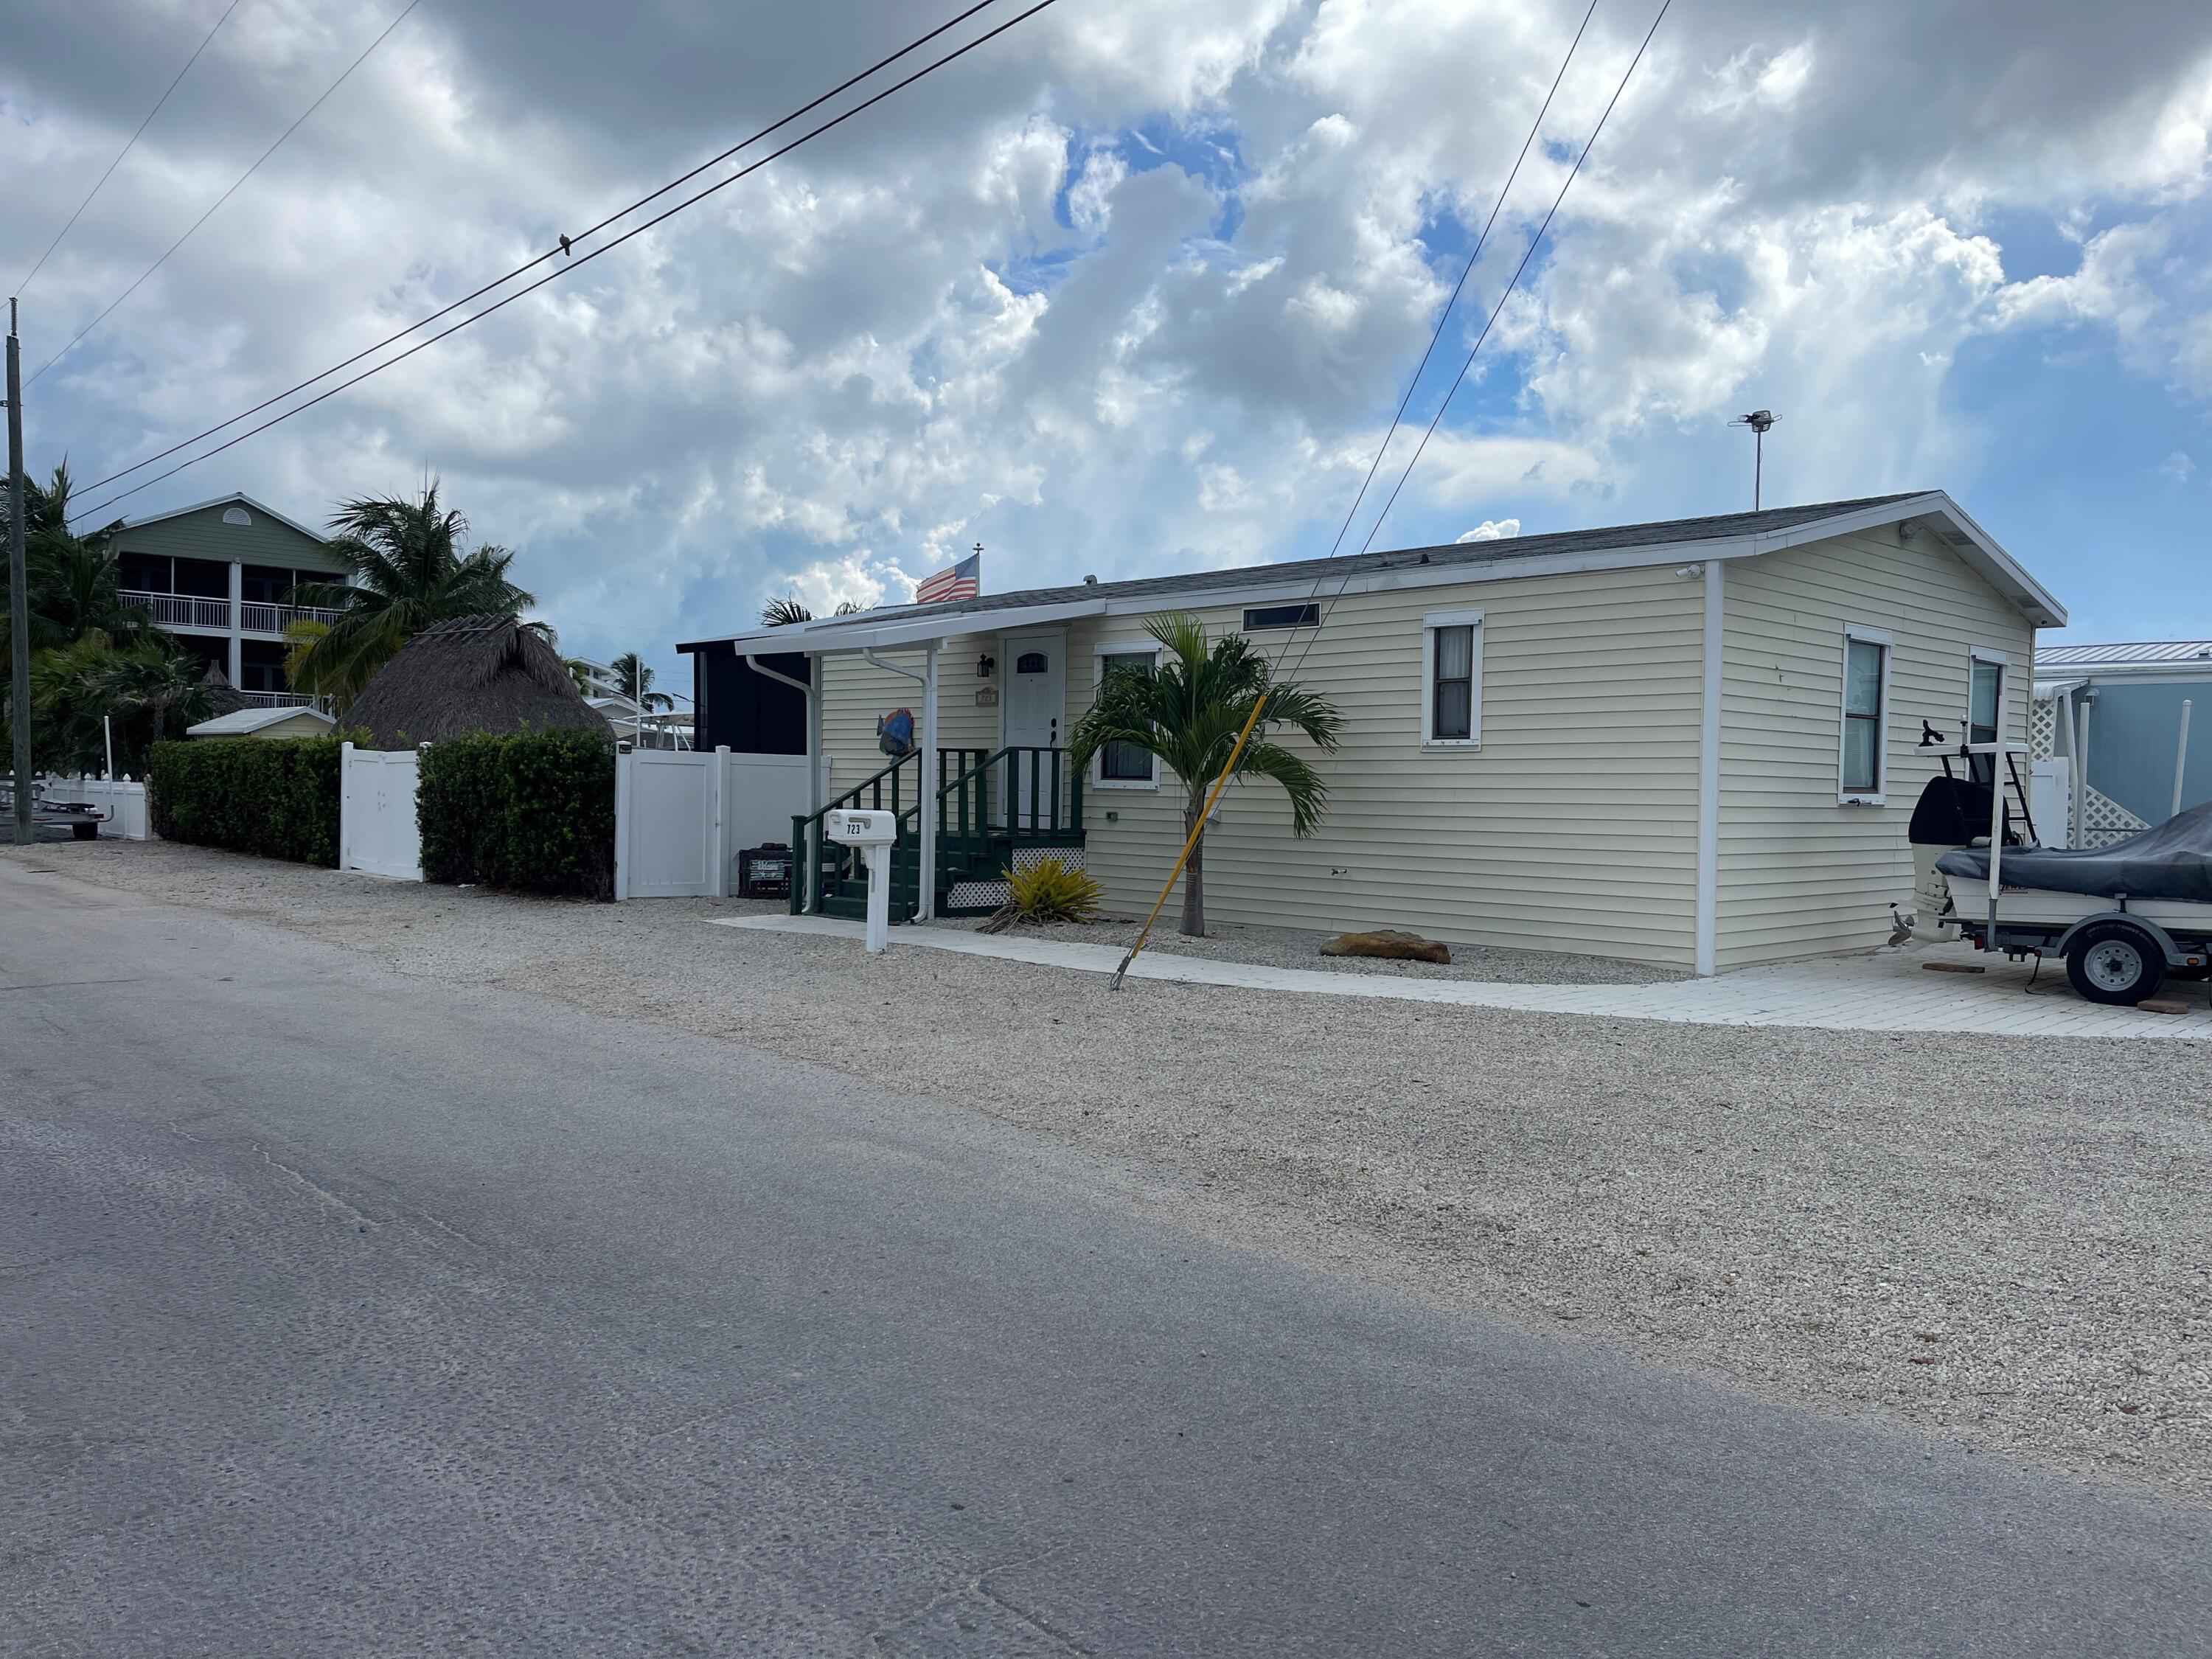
{"x": 636, "y": 680}
{"x": 405, "y": 570}
{"x": 1188, "y": 715}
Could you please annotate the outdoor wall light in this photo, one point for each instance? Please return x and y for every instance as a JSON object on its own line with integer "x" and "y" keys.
{"x": 983, "y": 667}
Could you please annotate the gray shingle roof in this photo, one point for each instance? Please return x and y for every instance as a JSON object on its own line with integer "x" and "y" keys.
{"x": 1505, "y": 550}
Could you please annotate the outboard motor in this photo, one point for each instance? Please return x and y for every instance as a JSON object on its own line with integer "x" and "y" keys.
{"x": 1951, "y": 813}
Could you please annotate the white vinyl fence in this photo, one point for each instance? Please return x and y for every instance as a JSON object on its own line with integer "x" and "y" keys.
{"x": 122, "y": 800}
{"x": 681, "y": 818}
{"x": 377, "y": 828}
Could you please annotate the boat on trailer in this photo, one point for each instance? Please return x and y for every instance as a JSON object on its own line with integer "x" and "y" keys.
{"x": 2124, "y": 918}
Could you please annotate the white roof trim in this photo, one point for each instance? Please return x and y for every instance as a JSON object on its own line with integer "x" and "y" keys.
{"x": 1258, "y": 584}
{"x": 244, "y": 722}
{"x": 1979, "y": 549}
{"x": 237, "y": 496}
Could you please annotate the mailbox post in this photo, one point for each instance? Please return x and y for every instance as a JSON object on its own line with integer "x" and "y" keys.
{"x": 873, "y": 833}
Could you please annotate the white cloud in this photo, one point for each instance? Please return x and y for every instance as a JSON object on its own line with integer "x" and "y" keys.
{"x": 1131, "y": 290}
{"x": 857, "y": 578}
{"x": 2177, "y": 466}
{"x": 1490, "y": 530}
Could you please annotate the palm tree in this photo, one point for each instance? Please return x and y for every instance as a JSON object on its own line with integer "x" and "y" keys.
{"x": 147, "y": 688}
{"x": 72, "y": 584}
{"x": 788, "y": 608}
{"x": 1187, "y": 714}
{"x": 636, "y": 680}
{"x": 73, "y": 599}
{"x": 405, "y": 570}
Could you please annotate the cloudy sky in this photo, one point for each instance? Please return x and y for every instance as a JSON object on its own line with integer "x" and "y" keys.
{"x": 1136, "y": 287}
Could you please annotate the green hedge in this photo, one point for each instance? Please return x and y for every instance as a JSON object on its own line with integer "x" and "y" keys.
{"x": 275, "y": 796}
{"x": 534, "y": 813}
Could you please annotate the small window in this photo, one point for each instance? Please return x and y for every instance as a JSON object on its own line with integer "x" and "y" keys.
{"x": 1031, "y": 662}
{"x": 237, "y": 515}
{"x": 1866, "y": 691}
{"x": 1124, "y": 762}
{"x": 1451, "y": 712}
{"x": 1258, "y": 616}
{"x": 1453, "y": 689}
{"x": 1984, "y": 710}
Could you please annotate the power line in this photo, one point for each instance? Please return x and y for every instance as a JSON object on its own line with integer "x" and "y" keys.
{"x": 1274, "y": 676}
{"x": 25, "y": 284}
{"x": 232, "y": 191}
{"x": 1466, "y": 271}
{"x": 584, "y": 259}
{"x": 914, "y": 44}
{"x": 1534, "y": 242}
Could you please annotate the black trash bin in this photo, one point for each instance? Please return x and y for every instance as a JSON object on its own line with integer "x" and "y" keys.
{"x": 764, "y": 871}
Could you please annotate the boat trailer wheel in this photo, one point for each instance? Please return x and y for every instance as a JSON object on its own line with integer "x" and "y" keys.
{"x": 2114, "y": 963}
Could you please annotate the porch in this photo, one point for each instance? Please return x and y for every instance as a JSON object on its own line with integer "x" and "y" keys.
{"x": 993, "y": 810}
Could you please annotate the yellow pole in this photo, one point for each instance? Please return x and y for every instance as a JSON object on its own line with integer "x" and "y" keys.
{"x": 1197, "y": 829}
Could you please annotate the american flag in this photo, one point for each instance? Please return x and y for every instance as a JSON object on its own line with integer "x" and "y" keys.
{"x": 964, "y": 581}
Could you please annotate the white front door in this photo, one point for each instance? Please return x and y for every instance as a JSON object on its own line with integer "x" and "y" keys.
{"x": 1032, "y": 703}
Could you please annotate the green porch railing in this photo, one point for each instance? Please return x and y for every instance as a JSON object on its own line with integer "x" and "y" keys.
{"x": 1046, "y": 792}
{"x": 818, "y": 866}
{"x": 975, "y": 827}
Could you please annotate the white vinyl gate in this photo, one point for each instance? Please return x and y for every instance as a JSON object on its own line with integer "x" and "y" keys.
{"x": 377, "y": 828}
{"x": 681, "y": 818}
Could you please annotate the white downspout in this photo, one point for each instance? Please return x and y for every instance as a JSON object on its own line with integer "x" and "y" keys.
{"x": 928, "y": 787}
{"x": 1709, "y": 773}
{"x": 2081, "y": 773}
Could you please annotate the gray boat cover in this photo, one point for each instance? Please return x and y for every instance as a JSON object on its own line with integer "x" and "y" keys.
{"x": 2169, "y": 860}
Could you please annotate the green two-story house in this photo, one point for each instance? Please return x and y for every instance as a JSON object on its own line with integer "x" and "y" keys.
{"x": 215, "y": 574}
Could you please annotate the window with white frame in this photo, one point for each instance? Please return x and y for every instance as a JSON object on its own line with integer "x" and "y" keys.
{"x": 1451, "y": 679}
{"x": 1123, "y": 765}
{"x": 1986, "y": 694}
{"x": 1863, "y": 766}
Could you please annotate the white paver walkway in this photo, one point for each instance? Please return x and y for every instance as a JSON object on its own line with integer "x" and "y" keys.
{"x": 1877, "y": 991}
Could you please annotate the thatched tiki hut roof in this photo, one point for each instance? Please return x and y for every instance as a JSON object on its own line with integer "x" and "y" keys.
{"x": 470, "y": 674}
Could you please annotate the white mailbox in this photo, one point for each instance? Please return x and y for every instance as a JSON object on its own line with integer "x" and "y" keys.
{"x": 873, "y": 833}
{"x": 860, "y": 828}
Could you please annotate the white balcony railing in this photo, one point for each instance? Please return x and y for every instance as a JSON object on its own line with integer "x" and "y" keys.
{"x": 255, "y": 617}
{"x": 181, "y": 610}
{"x": 276, "y": 699}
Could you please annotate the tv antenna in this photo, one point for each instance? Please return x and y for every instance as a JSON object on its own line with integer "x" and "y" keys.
{"x": 1758, "y": 421}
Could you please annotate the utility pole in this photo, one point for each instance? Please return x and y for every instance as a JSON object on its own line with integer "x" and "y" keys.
{"x": 19, "y": 588}
{"x": 1759, "y": 420}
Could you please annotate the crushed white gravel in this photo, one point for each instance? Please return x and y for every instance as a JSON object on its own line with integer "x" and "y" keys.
{"x": 2006, "y": 1241}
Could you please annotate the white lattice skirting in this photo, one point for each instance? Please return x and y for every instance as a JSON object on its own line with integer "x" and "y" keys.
{"x": 966, "y": 895}
{"x": 2104, "y": 820}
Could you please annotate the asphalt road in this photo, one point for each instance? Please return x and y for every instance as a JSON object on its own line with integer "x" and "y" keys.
{"x": 343, "y": 1315}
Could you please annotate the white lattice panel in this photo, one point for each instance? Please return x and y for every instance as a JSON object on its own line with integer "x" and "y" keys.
{"x": 2105, "y": 821}
{"x": 966, "y": 895}
{"x": 2043, "y": 728}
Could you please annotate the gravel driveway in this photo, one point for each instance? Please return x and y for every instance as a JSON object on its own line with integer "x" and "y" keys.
{"x": 2006, "y": 1241}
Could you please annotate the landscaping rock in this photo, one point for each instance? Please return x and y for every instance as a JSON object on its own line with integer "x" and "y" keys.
{"x": 1389, "y": 943}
